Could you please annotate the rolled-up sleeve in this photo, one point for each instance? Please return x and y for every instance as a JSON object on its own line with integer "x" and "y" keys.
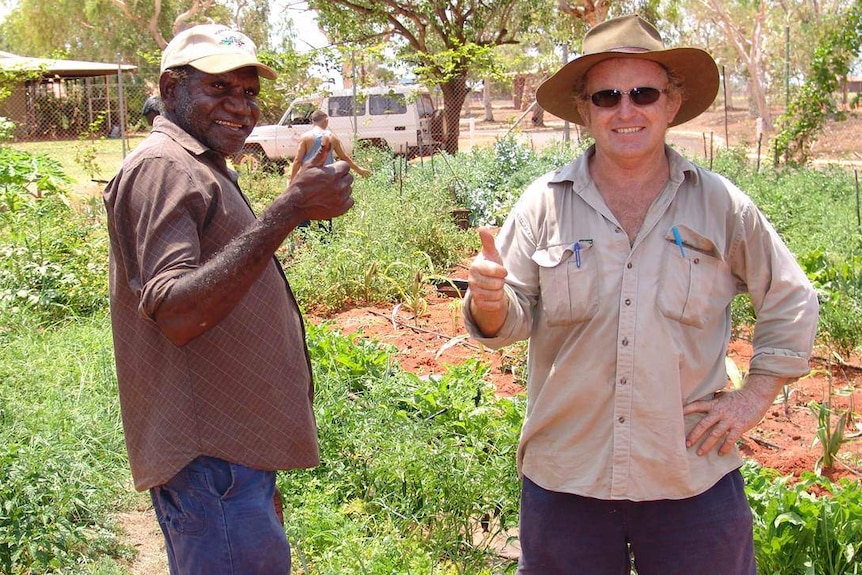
{"x": 784, "y": 300}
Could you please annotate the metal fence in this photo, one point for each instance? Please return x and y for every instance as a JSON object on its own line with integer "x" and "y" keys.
{"x": 111, "y": 107}
{"x": 74, "y": 108}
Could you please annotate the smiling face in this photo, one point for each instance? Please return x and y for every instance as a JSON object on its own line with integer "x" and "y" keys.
{"x": 219, "y": 110}
{"x": 629, "y": 131}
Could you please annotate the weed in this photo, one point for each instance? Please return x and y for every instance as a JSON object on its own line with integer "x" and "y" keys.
{"x": 828, "y": 436}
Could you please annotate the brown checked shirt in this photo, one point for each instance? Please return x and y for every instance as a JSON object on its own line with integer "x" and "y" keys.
{"x": 241, "y": 391}
{"x": 623, "y": 335}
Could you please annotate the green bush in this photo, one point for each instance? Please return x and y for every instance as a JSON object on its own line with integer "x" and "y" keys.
{"x": 798, "y": 533}
{"x": 398, "y": 235}
{"x": 53, "y": 257}
{"x": 488, "y": 181}
{"x": 420, "y": 471}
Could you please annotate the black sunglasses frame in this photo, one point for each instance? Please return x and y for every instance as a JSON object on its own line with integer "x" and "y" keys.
{"x": 640, "y": 96}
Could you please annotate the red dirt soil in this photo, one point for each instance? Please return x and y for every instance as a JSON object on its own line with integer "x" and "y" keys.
{"x": 784, "y": 440}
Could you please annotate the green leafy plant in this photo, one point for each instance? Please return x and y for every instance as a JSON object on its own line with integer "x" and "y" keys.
{"x": 53, "y": 254}
{"x": 796, "y": 531}
{"x": 424, "y": 464}
{"x": 86, "y": 152}
{"x": 813, "y": 103}
{"x": 828, "y": 436}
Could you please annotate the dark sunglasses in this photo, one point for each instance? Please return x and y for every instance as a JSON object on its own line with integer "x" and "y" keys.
{"x": 639, "y": 96}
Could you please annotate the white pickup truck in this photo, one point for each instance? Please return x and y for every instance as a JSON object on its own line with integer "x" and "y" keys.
{"x": 400, "y": 118}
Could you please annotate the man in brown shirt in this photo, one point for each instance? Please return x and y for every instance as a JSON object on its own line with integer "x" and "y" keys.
{"x": 214, "y": 375}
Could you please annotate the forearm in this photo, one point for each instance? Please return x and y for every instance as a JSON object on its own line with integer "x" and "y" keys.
{"x": 201, "y": 298}
{"x": 353, "y": 165}
{"x": 763, "y": 389}
{"x": 294, "y": 167}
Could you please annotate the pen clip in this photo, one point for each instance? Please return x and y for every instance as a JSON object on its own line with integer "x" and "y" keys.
{"x": 577, "y": 248}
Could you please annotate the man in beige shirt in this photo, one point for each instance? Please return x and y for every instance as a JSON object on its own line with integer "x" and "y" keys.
{"x": 620, "y": 268}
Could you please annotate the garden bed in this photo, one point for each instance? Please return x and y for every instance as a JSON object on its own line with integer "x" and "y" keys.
{"x": 784, "y": 440}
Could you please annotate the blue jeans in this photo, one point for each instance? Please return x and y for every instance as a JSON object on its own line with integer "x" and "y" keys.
{"x": 564, "y": 534}
{"x": 218, "y": 518}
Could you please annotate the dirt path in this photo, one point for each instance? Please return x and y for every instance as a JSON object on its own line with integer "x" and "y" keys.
{"x": 143, "y": 533}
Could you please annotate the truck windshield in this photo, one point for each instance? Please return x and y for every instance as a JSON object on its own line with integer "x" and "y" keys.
{"x": 380, "y": 104}
{"x": 425, "y": 106}
{"x": 298, "y": 114}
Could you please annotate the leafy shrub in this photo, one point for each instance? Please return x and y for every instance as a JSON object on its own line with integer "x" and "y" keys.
{"x": 399, "y": 228}
{"x": 797, "y": 532}
{"x": 53, "y": 258}
{"x": 420, "y": 470}
{"x": 488, "y": 181}
{"x": 839, "y": 285}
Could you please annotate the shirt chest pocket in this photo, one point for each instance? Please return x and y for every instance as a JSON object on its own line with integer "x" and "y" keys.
{"x": 568, "y": 280}
{"x": 694, "y": 285}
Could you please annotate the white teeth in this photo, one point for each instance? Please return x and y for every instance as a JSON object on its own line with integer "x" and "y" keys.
{"x": 628, "y": 130}
{"x": 228, "y": 124}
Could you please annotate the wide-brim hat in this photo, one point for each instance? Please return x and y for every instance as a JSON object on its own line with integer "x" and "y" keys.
{"x": 214, "y": 49}
{"x": 632, "y": 37}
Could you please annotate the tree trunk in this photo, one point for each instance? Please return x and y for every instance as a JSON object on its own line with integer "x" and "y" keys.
{"x": 538, "y": 117}
{"x": 518, "y": 91}
{"x": 486, "y": 99}
{"x": 454, "y": 92}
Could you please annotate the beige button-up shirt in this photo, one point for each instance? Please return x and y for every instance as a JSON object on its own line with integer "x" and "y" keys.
{"x": 623, "y": 336}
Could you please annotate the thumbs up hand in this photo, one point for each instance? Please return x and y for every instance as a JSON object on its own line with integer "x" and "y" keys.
{"x": 318, "y": 191}
{"x": 489, "y": 248}
{"x": 487, "y": 278}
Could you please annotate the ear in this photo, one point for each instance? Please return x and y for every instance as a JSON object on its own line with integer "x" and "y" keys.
{"x": 167, "y": 90}
{"x": 674, "y": 103}
{"x": 584, "y": 110}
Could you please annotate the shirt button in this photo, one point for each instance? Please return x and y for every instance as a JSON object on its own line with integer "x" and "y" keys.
{"x": 628, "y": 301}
{"x": 622, "y": 419}
{"x": 629, "y": 265}
{"x": 625, "y": 341}
{"x": 696, "y": 260}
{"x": 623, "y": 381}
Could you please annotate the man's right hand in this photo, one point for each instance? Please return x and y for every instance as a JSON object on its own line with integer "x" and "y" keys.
{"x": 487, "y": 278}
{"x": 319, "y": 191}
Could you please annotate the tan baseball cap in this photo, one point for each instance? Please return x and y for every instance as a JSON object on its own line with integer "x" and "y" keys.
{"x": 214, "y": 49}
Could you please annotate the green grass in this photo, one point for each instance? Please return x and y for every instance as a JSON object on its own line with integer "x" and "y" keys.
{"x": 84, "y": 160}
{"x": 63, "y": 471}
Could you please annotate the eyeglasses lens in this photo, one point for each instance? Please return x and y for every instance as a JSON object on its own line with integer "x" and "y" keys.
{"x": 639, "y": 96}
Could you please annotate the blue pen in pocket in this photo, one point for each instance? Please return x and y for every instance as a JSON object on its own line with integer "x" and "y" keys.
{"x": 577, "y": 248}
{"x": 678, "y": 240}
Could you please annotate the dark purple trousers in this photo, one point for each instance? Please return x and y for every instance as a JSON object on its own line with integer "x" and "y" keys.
{"x": 709, "y": 534}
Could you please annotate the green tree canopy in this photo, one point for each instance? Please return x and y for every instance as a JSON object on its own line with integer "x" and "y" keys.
{"x": 443, "y": 39}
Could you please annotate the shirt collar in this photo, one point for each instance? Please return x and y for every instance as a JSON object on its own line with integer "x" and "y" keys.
{"x": 191, "y": 144}
{"x": 577, "y": 172}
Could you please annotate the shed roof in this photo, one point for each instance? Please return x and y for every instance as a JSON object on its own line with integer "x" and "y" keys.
{"x": 61, "y": 68}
